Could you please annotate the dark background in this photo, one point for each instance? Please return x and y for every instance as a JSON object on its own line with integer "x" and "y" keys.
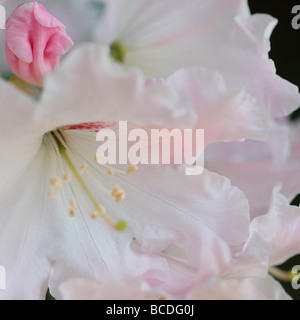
{"x": 285, "y": 51}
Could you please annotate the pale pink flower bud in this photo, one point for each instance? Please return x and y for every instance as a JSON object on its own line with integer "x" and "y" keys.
{"x": 35, "y": 40}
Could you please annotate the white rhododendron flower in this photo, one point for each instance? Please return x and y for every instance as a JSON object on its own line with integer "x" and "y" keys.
{"x": 156, "y": 207}
{"x": 85, "y": 227}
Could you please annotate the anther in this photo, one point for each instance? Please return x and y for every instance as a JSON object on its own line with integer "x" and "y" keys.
{"x": 52, "y": 196}
{"x": 120, "y": 197}
{"x": 56, "y": 184}
{"x": 115, "y": 191}
{"x": 72, "y": 212}
{"x": 110, "y": 173}
{"x": 73, "y": 203}
{"x": 131, "y": 169}
{"x": 68, "y": 177}
{"x": 98, "y": 156}
{"x": 118, "y": 194}
{"x": 95, "y": 214}
{"x": 83, "y": 169}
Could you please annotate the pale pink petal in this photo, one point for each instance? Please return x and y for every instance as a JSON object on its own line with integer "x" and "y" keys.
{"x": 89, "y": 87}
{"x": 142, "y": 24}
{"x": 80, "y": 289}
{"x": 224, "y": 114}
{"x": 24, "y": 235}
{"x": 257, "y": 167}
{"x": 251, "y": 262}
{"x": 245, "y": 289}
{"x": 211, "y": 206}
{"x": 20, "y": 134}
{"x": 280, "y": 228}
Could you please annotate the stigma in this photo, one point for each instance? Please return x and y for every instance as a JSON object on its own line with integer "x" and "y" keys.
{"x": 74, "y": 178}
{"x": 118, "y": 52}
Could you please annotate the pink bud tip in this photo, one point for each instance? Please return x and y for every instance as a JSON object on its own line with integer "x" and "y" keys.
{"x": 35, "y": 40}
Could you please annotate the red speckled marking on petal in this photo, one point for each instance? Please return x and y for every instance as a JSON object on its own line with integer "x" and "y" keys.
{"x": 90, "y": 126}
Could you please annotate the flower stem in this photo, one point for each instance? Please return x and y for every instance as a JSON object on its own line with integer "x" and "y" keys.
{"x": 285, "y": 276}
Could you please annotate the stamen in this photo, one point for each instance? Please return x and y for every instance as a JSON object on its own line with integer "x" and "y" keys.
{"x": 83, "y": 168}
{"x": 132, "y": 169}
{"x": 95, "y": 215}
{"x": 118, "y": 194}
{"x": 118, "y": 51}
{"x": 98, "y": 156}
{"x": 110, "y": 173}
{"x": 73, "y": 203}
{"x": 99, "y": 210}
{"x": 72, "y": 212}
{"x": 55, "y": 182}
{"x": 52, "y": 196}
{"x": 121, "y": 225}
{"x": 120, "y": 197}
{"x": 68, "y": 177}
{"x": 285, "y": 276}
{"x": 116, "y": 191}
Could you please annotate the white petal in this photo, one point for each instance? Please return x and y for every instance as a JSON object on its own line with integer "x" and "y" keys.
{"x": 246, "y": 289}
{"x": 280, "y": 228}
{"x": 164, "y": 204}
{"x": 257, "y": 167}
{"x": 23, "y": 250}
{"x": 164, "y": 37}
{"x": 139, "y": 24}
{"x": 90, "y": 87}
{"x": 80, "y": 289}
{"x": 224, "y": 114}
{"x": 20, "y": 134}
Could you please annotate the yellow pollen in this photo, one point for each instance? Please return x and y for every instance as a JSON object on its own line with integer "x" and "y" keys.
{"x": 52, "y": 196}
{"x": 116, "y": 191}
{"x": 95, "y": 214}
{"x": 110, "y": 173}
{"x": 83, "y": 168}
{"x": 68, "y": 177}
{"x": 98, "y": 156}
{"x": 72, "y": 212}
{"x": 131, "y": 169}
{"x": 56, "y": 184}
{"x": 163, "y": 298}
{"x": 73, "y": 203}
{"x": 118, "y": 194}
{"x": 120, "y": 197}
